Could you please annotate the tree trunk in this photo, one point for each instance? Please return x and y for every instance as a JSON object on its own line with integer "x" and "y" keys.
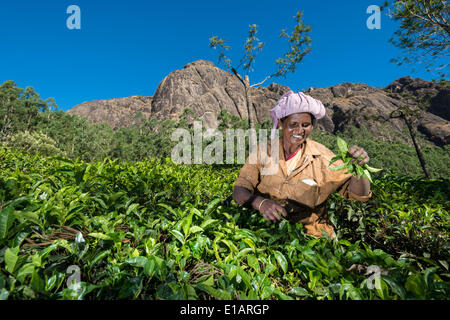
{"x": 5, "y": 123}
{"x": 249, "y": 103}
{"x": 29, "y": 122}
{"x": 412, "y": 132}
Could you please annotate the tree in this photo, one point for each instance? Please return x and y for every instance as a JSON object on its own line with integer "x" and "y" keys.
{"x": 299, "y": 47}
{"x": 410, "y": 110}
{"x": 424, "y": 33}
{"x": 34, "y": 143}
{"x": 19, "y": 108}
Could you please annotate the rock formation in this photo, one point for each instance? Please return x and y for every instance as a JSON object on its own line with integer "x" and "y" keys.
{"x": 207, "y": 89}
{"x": 117, "y": 112}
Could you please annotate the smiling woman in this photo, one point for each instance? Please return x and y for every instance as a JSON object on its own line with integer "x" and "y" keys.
{"x": 300, "y": 186}
{"x": 297, "y": 127}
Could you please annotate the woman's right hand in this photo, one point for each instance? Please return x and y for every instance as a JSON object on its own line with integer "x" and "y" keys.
{"x": 271, "y": 210}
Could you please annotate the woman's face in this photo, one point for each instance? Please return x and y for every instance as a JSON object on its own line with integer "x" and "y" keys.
{"x": 296, "y": 128}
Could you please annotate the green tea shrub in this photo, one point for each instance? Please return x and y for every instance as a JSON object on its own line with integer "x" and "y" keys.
{"x": 157, "y": 230}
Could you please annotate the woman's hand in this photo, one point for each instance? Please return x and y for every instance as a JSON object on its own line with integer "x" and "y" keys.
{"x": 271, "y": 210}
{"x": 357, "y": 152}
{"x": 359, "y": 186}
{"x": 268, "y": 208}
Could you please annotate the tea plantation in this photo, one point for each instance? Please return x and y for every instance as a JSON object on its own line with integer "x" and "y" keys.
{"x": 157, "y": 230}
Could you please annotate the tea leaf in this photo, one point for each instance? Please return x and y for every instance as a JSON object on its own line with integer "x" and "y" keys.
{"x": 371, "y": 169}
{"x": 195, "y": 229}
{"x": 216, "y": 293}
{"x": 99, "y": 257}
{"x": 99, "y": 235}
{"x": 334, "y": 159}
{"x": 212, "y": 205}
{"x": 11, "y": 257}
{"x": 298, "y": 291}
{"x": 359, "y": 171}
{"x": 137, "y": 261}
{"x": 281, "y": 259}
{"x": 342, "y": 145}
{"x": 6, "y": 221}
{"x": 178, "y": 235}
{"x": 342, "y": 166}
{"x": 366, "y": 174}
{"x": 253, "y": 262}
{"x": 416, "y": 285}
{"x": 4, "y": 294}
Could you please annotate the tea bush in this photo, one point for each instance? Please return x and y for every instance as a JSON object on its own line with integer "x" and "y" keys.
{"x": 157, "y": 230}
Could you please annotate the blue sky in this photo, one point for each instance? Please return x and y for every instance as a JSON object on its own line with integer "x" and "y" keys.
{"x": 126, "y": 48}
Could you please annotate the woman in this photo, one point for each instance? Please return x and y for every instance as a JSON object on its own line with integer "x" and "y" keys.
{"x": 300, "y": 186}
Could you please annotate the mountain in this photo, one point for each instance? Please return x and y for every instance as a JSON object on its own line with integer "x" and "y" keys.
{"x": 358, "y": 104}
{"x": 117, "y": 112}
{"x": 206, "y": 89}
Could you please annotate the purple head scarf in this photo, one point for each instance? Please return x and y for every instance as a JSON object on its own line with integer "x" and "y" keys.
{"x": 291, "y": 103}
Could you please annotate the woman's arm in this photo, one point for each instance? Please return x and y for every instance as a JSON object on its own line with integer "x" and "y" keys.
{"x": 245, "y": 198}
{"x": 268, "y": 208}
{"x": 360, "y": 187}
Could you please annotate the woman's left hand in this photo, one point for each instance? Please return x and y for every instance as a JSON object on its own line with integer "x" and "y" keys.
{"x": 357, "y": 152}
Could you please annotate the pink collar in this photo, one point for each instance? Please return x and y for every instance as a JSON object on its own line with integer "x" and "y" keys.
{"x": 293, "y": 155}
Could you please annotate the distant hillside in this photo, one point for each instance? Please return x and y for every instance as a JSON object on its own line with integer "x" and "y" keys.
{"x": 206, "y": 89}
{"x": 117, "y": 112}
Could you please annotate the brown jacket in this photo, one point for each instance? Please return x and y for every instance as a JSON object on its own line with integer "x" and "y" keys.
{"x": 303, "y": 202}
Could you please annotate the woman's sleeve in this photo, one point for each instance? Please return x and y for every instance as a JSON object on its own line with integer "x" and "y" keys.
{"x": 248, "y": 176}
{"x": 349, "y": 195}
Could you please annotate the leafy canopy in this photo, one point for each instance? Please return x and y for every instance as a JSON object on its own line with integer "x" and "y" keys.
{"x": 299, "y": 46}
{"x": 423, "y": 34}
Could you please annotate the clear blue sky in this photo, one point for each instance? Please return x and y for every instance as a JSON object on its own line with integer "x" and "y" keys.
{"x": 126, "y": 48}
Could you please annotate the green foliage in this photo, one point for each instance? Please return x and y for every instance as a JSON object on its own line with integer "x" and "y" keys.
{"x": 251, "y": 48}
{"x": 19, "y": 108}
{"x": 76, "y": 138}
{"x": 407, "y": 217}
{"x": 391, "y": 154}
{"x": 299, "y": 47}
{"x": 351, "y": 166}
{"x": 423, "y": 34}
{"x": 34, "y": 143}
{"x": 219, "y": 44}
{"x": 157, "y": 230}
{"x": 444, "y": 83}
